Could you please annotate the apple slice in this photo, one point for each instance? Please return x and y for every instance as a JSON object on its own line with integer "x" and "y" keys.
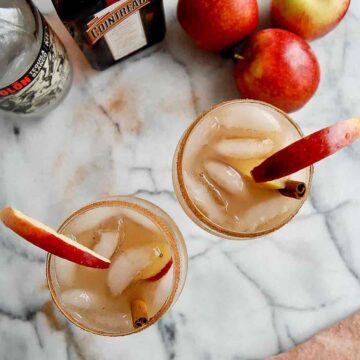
{"x": 308, "y": 150}
{"x": 162, "y": 272}
{"x": 51, "y": 241}
{"x": 244, "y": 167}
{"x": 160, "y": 264}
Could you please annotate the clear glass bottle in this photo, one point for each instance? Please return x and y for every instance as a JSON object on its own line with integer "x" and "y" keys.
{"x": 35, "y": 69}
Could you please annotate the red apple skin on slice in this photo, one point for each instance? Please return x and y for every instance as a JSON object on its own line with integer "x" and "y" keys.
{"x": 51, "y": 241}
{"x": 162, "y": 272}
{"x": 308, "y": 150}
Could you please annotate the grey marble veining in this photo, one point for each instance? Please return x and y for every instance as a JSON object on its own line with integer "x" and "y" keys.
{"x": 116, "y": 133}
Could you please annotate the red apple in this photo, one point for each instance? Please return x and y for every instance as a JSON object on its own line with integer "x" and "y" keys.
{"x": 217, "y": 25}
{"x": 308, "y": 150}
{"x": 308, "y": 18}
{"x": 278, "y": 67}
{"x": 51, "y": 241}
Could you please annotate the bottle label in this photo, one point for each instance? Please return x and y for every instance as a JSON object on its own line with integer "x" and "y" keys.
{"x": 45, "y": 80}
{"x": 121, "y": 26}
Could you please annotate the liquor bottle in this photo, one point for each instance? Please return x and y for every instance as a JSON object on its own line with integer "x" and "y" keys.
{"x": 108, "y": 31}
{"x": 35, "y": 70}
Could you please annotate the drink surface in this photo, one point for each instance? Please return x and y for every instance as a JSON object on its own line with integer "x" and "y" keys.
{"x": 221, "y": 150}
{"x": 108, "y": 31}
{"x": 101, "y": 299}
{"x": 36, "y": 72}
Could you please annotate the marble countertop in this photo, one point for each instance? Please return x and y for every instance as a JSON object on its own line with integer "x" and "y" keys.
{"x": 116, "y": 133}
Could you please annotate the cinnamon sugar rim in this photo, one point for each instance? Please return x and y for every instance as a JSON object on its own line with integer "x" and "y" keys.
{"x": 189, "y": 202}
{"x": 169, "y": 237}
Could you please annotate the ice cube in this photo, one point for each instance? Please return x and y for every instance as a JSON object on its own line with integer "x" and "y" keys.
{"x": 107, "y": 243}
{"x": 200, "y": 194}
{"x": 263, "y": 213}
{"x": 248, "y": 117}
{"x": 204, "y": 131}
{"x": 127, "y": 267}
{"x": 161, "y": 293}
{"x": 114, "y": 321}
{"x": 155, "y": 293}
{"x": 245, "y": 148}
{"x": 110, "y": 240}
{"x": 65, "y": 271}
{"x": 140, "y": 219}
{"x": 91, "y": 219}
{"x": 80, "y": 299}
{"x": 225, "y": 176}
{"x": 214, "y": 190}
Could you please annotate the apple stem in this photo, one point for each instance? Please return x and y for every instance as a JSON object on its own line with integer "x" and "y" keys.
{"x": 294, "y": 189}
{"x": 238, "y": 57}
{"x": 139, "y": 313}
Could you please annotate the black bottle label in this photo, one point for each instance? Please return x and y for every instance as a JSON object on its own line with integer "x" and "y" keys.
{"x": 44, "y": 80}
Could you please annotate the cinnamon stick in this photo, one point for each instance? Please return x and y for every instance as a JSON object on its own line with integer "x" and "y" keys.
{"x": 139, "y": 313}
{"x": 294, "y": 189}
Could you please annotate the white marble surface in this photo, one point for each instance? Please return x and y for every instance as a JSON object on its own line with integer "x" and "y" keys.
{"x": 115, "y": 134}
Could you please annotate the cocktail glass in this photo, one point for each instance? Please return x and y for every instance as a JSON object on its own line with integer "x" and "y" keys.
{"x": 105, "y": 302}
{"x": 212, "y": 164}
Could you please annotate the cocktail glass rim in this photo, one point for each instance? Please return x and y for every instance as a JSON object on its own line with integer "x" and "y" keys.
{"x": 204, "y": 221}
{"x": 163, "y": 228}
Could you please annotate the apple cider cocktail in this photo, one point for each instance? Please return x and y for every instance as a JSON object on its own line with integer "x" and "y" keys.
{"x": 146, "y": 274}
{"x": 212, "y": 168}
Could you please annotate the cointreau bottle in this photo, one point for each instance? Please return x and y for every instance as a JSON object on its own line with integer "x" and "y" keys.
{"x": 108, "y": 31}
